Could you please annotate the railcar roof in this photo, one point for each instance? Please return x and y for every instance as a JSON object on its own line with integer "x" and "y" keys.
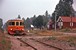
{"x": 15, "y": 20}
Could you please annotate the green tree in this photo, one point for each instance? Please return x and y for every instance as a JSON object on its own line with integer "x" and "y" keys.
{"x": 45, "y": 20}
{"x": 19, "y": 16}
{"x": 24, "y": 22}
{"x": 27, "y": 23}
{"x": 63, "y": 8}
{"x": 32, "y": 18}
{"x": 1, "y": 23}
{"x": 38, "y": 22}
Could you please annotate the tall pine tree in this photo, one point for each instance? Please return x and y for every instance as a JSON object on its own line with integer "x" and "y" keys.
{"x": 1, "y": 23}
{"x": 19, "y": 17}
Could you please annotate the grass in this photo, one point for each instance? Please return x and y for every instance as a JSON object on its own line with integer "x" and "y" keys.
{"x": 52, "y": 38}
{"x": 46, "y": 32}
{"x": 68, "y": 30}
{"x": 5, "y": 43}
{"x": 63, "y": 38}
{"x": 65, "y": 30}
{"x": 71, "y": 40}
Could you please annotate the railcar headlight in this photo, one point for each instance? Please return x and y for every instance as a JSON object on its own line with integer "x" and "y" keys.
{"x": 22, "y": 29}
{"x": 11, "y": 29}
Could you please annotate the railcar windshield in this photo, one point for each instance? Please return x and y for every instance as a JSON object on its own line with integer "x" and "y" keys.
{"x": 21, "y": 23}
{"x": 11, "y": 23}
{"x": 17, "y": 23}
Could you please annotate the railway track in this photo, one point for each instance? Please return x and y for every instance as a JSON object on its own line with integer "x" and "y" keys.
{"x": 54, "y": 45}
{"x": 26, "y": 43}
{"x": 46, "y": 44}
{"x": 37, "y": 45}
{"x": 37, "y": 42}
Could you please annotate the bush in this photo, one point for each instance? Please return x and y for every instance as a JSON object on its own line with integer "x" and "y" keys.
{"x": 52, "y": 38}
{"x": 65, "y": 30}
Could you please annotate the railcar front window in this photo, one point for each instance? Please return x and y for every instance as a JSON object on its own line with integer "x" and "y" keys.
{"x": 17, "y": 23}
{"x": 21, "y": 23}
{"x": 11, "y": 23}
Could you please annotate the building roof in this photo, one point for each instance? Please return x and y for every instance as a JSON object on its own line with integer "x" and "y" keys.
{"x": 74, "y": 19}
{"x": 68, "y": 19}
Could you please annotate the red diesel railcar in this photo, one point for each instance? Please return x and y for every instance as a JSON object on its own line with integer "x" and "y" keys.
{"x": 15, "y": 26}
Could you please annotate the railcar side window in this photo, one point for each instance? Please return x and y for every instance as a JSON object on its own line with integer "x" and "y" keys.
{"x": 21, "y": 23}
{"x": 11, "y": 23}
{"x": 17, "y": 23}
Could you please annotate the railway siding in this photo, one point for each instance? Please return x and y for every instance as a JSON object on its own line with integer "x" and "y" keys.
{"x": 46, "y": 44}
{"x": 37, "y": 45}
{"x": 26, "y": 43}
{"x": 58, "y": 45}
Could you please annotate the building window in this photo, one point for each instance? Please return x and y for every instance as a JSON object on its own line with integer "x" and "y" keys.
{"x": 71, "y": 23}
{"x": 60, "y": 23}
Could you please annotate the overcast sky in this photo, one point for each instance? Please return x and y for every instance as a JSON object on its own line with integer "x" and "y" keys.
{"x": 9, "y": 9}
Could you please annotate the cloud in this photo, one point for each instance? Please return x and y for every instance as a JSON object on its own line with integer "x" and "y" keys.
{"x": 74, "y": 4}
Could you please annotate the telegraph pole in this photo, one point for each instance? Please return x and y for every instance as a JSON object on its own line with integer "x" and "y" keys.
{"x": 71, "y": 22}
{"x": 55, "y": 21}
